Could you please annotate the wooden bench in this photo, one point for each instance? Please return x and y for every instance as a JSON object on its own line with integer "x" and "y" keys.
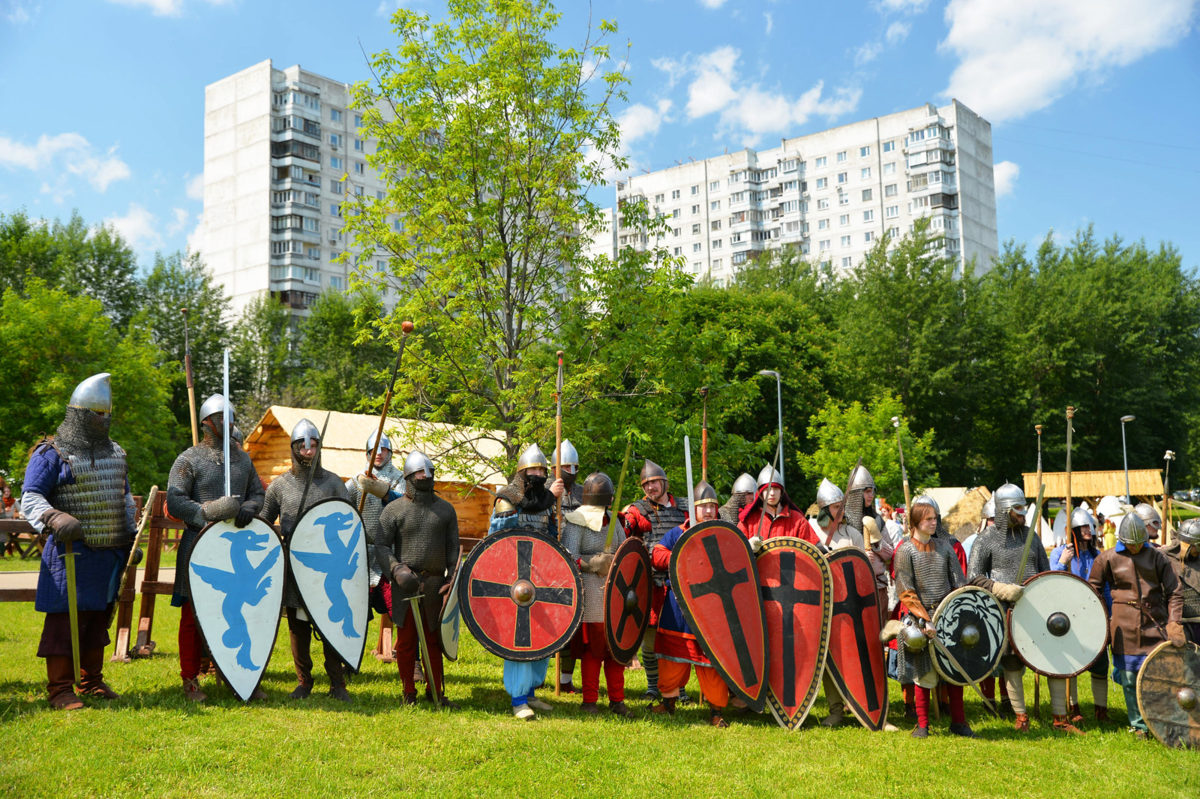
{"x": 19, "y": 536}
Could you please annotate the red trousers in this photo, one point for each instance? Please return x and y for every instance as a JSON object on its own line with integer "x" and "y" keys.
{"x": 673, "y": 675}
{"x": 955, "y": 694}
{"x": 191, "y": 643}
{"x": 590, "y": 646}
{"x": 408, "y": 649}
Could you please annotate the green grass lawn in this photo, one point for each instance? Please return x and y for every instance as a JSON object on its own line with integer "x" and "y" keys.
{"x": 153, "y": 742}
{"x": 13, "y": 563}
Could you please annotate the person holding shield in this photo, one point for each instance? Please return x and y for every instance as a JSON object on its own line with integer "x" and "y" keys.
{"x": 1076, "y": 555}
{"x": 1184, "y": 555}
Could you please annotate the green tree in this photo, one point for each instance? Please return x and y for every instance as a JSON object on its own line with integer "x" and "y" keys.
{"x": 262, "y": 363}
{"x": 49, "y": 341}
{"x": 342, "y": 358}
{"x": 176, "y": 282}
{"x": 490, "y": 137}
{"x": 842, "y": 433}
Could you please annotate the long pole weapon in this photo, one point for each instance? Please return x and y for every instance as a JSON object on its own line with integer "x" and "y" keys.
{"x": 612, "y": 519}
{"x": 1168, "y": 457}
{"x": 558, "y": 514}
{"x": 687, "y": 467}
{"x": 1069, "y": 499}
{"x": 226, "y": 413}
{"x": 1037, "y": 521}
{"x": 704, "y": 434}
{"x": 903, "y": 475}
{"x": 406, "y": 327}
{"x": 187, "y": 372}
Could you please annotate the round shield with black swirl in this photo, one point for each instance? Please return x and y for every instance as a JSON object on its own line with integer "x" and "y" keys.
{"x": 970, "y": 626}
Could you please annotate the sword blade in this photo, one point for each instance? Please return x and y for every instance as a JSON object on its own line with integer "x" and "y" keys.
{"x": 415, "y": 604}
{"x": 225, "y": 413}
{"x": 72, "y": 607}
{"x": 616, "y": 506}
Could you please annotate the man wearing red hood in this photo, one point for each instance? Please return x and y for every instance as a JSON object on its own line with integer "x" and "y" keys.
{"x": 772, "y": 513}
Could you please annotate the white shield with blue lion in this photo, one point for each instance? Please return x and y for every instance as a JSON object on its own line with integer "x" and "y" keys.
{"x": 328, "y": 558}
{"x": 236, "y": 581}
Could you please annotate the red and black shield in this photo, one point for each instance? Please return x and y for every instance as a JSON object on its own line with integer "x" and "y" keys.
{"x": 627, "y": 599}
{"x": 797, "y": 593}
{"x": 714, "y": 577}
{"x": 855, "y": 654}
{"x": 520, "y": 595}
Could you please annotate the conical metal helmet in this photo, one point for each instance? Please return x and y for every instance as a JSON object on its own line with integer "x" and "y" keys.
{"x": 1081, "y": 518}
{"x": 989, "y": 508}
{"x": 769, "y": 474}
{"x": 418, "y": 462}
{"x": 384, "y": 442}
{"x": 531, "y": 458}
{"x": 93, "y": 394}
{"x": 860, "y": 478}
{"x": 1189, "y": 531}
{"x": 745, "y": 484}
{"x": 1148, "y": 514}
{"x": 235, "y": 435}
{"x": 598, "y": 490}
{"x": 570, "y": 456}
{"x": 213, "y": 405}
{"x": 925, "y": 499}
{"x": 1132, "y": 530}
{"x": 651, "y": 471}
{"x": 307, "y": 432}
{"x": 705, "y": 494}
{"x": 828, "y": 493}
{"x": 1008, "y": 497}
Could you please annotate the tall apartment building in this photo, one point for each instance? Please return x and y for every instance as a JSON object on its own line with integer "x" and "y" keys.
{"x": 831, "y": 194}
{"x": 281, "y": 153}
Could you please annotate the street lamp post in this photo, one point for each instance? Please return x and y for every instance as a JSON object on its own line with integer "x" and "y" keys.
{"x": 1125, "y": 455}
{"x": 779, "y": 410}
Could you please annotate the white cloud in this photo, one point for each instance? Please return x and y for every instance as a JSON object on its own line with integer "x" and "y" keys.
{"x": 67, "y": 151}
{"x": 1018, "y": 56}
{"x": 195, "y": 239}
{"x": 770, "y": 18}
{"x": 897, "y": 32}
{"x": 160, "y": 8}
{"x": 195, "y": 186}
{"x": 749, "y": 109}
{"x": 179, "y": 219}
{"x": 867, "y": 53}
{"x": 1005, "y": 175}
{"x": 138, "y": 227}
{"x": 638, "y": 121}
{"x": 904, "y": 6}
{"x": 712, "y": 3}
{"x": 18, "y": 12}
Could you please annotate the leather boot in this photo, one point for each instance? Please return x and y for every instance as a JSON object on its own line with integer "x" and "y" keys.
{"x": 665, "y": 705}
{"x": 1075, "y": 714}
{"x": 1063, "y": 724}
{"x": 1021, "y": 724}
{"x": 300, "y": 636}
{"x": 191, "y": 689}
{"x": 60, "y": 683}
{"x": 91, "y": 671}
{"x": 1102, "y": 714}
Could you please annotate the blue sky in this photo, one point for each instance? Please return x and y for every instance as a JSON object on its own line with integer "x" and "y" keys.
{"x": 1095, "y": 104}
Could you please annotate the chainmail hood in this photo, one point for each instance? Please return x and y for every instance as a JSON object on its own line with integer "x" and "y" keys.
{"x": 84, "y": 432}
{"x": 525, "y": 497}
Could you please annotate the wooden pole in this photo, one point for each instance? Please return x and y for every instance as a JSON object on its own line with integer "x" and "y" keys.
{"x": 704, "y": 435}
{"x": 558, "y": 389}
{"x": 406, "y": 327}
{"x": 187, "y": 372}
{"x": 1037, "y": 680}
{"x": 1168, "y": 457}
{"x": 903, "y": 477}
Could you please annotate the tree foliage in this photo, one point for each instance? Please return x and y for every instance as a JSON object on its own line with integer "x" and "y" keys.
{"x": 344, "y": 361}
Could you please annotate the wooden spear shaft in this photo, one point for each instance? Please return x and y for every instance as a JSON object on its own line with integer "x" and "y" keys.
{"x": 558, "y": 388}
{"x": 406, "y": 327}
{"x": 704, "y": 435}
{"x": 187, "y": 372}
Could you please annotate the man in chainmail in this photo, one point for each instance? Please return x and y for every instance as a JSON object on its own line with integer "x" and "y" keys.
{"x": 283, "y": 500}
{"x": 1076, "y": 555}
{"x": 744, "y": 488}
{"x": 196, "y": 496}
{"x": 996, "y": 566}
{"x": 650, "y": 518}
{"x": 417, "y": 549}
{"x": 571, "y": 500}
{"x": 926, "y": 572}
{"x": 384, "y": 485}
{"x": 1145, "y": 606}
{"x": 585, "y": 533}
{"x": 1184, "y": 555}
{"x": 527, "y": 502}
{"x": 76, "y": 492}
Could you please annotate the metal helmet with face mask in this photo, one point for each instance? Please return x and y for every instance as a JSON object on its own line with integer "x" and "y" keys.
{"x": 418, "y": 465}
{"x": 570, "y": 457}
{"x": 745, "y": 484}
{"x": 1132, "y": 530}
{"x": 531, "y": 458}
{"x": 214, "y": 405}
{"x": 1189, "y": 532}
{"x": 1148, "y": 514}
{"x": 385, "y": 445}
{"x": 93, "y": 394}
{"x": 1008, "y": 498}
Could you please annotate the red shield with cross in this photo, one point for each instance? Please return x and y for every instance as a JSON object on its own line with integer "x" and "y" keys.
{"x": 627, "y": 599}
{"x": 855, "y": 654}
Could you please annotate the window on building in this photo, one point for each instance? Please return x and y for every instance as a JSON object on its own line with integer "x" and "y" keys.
{"x": 658, "y": 198}
{"x": 869, "y": 215}
{"x": 822, "y": 224}
{"x": 866, "y": 173}
{"x": 335, "y": 185}
{"x": 843, "y": 177}
{"x": 312, "y": 225}
{"x": 678, "y": 251}
{"x": 714, "y": 185}
{"x": 335, "y": 115}
{"x": 844, "y": 220}
{"x": 820, "y": 162}
{"x": 843, "y": 199}
{"x": 841, "y": 156}
{"x": 867, "y": 194}
{"x": 335, "y": 139}
{"x": 822, "y": 183}
{"x": 863, "y": 152}
{"x": 335, "y": 162}
{"x": 378, "y": 195}
{"x": 869, "y": 236}
{"x": 822, "y": 204}
{"x": 845, "y": 241}
{"x": 891, "y": 211}
{"x": 675, "y": 194}
{"x": 889, "y": 169}
{"x": 715, "y": 225}
{"x": 358, "y": 145}
{"x": 695, "y": 190}
{"x": 889, "y": 146}
{"x": 358, "y": 120}
{"x": 697, "y": 247}
{"x": 824, "y": 245}
{"x": 847, "y": 261}
{"x": 715, "y": 205}
{"x": 735, "y": 238}
{"x": 360, "y": 168}
{"x": 676, "y": 232}
{"x": 675, "y": 214}
{"x": 716, "y": 244}
{"x": 791, "y": 164}
{"x": 890, "y": 190}
{"x": 335, "y": 209}
{"x": 695, "y": 209}
{"x": 695, "y": 228}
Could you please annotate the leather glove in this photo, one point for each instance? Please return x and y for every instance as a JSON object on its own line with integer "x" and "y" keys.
{"x": 599, "y": 563}
{"x": 870, "y": 532}
{"x": 1175, "y": 633}
{"x": 216, "y": 510}
{"x": 137, "y": 556}
{"x": 244, "y": 515}
{"x": 756, "y": 544}
{"x": 62, "y": 525}
{"x": 1068, "y": 554}
{"x": 406, "y": 582}
{"x": 1007, "y": 592}
{"x": 373, "y": 485}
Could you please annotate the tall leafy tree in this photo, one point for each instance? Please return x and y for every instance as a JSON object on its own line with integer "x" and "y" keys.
{"x": 263, "y": 363}
{"x": 341, "y": 356}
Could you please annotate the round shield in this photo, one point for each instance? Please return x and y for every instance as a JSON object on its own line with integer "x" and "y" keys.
{"x": 1168, "y": 694}
{"x": 970, "y": 625}
{"x": 328, "y": 557}
{"x": 520, "y": 595}
{"x": 450, "y": 615}
{"x": 235, "y": 576}
{"x": 1059, "y": 625}
{"x": 627, "y": 594}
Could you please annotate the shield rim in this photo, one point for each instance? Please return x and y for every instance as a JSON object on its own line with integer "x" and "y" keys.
{"x": 451, "y": 595}
{"x": 628, "y": 545}
{"x": 465, "y": 606}
{"x": 278, "y": 613}
{"x": 839, "y": 681}
{"x": 1013, "y": 640}
{"x": 354, "y": 668}
{"x": 1164, "y": 645}
{"x": 937, "y": 654}
{"x": 776, "y": 706}
{"x": 756, "y": 702}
